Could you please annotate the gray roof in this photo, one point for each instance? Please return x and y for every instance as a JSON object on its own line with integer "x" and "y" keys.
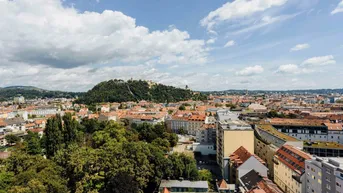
{"x": 183, "y": 184}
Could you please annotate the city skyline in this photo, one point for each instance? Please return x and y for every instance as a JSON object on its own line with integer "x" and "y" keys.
{"x": 222, "y": 45}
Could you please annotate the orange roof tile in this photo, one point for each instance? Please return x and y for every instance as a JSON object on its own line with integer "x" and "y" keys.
{"x": 222, "y": 184}
{"x": 293, "y": 158}
{"x": 165, "y": 190}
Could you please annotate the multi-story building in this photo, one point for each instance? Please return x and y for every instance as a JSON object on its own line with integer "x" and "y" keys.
{"x": 231, "y": 134}
{"x": 194, "y": 123}
{"x": 178, "y": 122}
{"x": 19, "y": 100}
{"x": 206, "y": 134}
{"x": 242, "y": 161}
{"x": 324, "y": 149}
{"x": 268, "y": 140}
{"x": 324, "y": 175}
{"x": 310, "y": 130}
{"x": 289, "y": 169}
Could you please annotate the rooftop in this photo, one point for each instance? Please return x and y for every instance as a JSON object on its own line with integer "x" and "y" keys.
{"x": 298, "y": 122}
{"x": 293, "y": 158}
{"x": 323, "y": 144}
{"x": 183, "y": 184}
{"x": 270, "y": 129}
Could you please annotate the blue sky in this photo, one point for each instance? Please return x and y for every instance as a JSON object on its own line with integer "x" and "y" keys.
{"x": 208, "y": 45}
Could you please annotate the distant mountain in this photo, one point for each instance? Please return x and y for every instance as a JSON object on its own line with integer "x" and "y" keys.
{"x": 136, "y": 90}
{"x": 252, "y": 92}
{"x": 30, "y": 92}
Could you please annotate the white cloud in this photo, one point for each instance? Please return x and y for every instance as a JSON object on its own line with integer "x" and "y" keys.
{"x": 55, "y": 35}
{"x": 319, "y": 61}
{"x": 229, "y": 44}
{"x": 265, "y": 21}
{"x": 211, "y": 41}
{"x": 238, "y": 9}
{"x": 292, "y": 69}
{"x": 338, "y": 9}
{"x": 299, "y": 47}
{"x": 250, "y": 71}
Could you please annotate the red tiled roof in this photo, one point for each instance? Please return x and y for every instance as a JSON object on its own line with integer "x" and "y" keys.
{"x": 241, "y": 155}
{"x": 334, "y": 126}
{"x": 293, "y": 158}
{"x": 165, "y": 190}
{"x": 222, "y": 184}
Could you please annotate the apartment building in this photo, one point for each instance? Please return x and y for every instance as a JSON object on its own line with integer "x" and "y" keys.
{"x": 194, "y": 123}
{"x": 310, "y": 129}
{"x": 231, "y": 134}
{"x": 324, "y": 175}
{"x": 324, "y": 149}
{"x": 268, "y": 140}
{"x": 206, "y": 134}
{"x": 289, "y": 169}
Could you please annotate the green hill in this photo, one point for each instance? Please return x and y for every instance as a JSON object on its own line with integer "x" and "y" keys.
{"x": 30, "y": 92}
{"x": 136, "y": 90}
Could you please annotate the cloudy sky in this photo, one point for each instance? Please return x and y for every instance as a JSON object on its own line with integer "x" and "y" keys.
{"x": 208, "y": 45}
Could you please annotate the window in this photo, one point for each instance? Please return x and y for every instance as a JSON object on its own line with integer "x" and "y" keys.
{"x": 328, "y": 187}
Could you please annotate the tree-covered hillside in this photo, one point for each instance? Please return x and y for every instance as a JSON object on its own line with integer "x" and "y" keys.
{"x": 135, "y": 90}
{"x": 30, "y": 92}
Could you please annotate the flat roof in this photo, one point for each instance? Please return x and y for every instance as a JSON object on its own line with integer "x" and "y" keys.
{"x": 183, "y": 184}
{"x": 297, "y": 122}
{"x": 323, "y": 145}
{"x": 270, "y": 129}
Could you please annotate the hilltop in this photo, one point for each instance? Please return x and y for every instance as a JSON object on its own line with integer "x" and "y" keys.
{"x": 30, "y": 92}
{"x": 135, "y": 90}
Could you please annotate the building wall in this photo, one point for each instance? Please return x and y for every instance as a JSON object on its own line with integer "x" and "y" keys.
{"x": 206, "y": 136}
{"x": 266, "y": 152}
{"x": 339, "y": 181}
{"x": 247, "y": 166}
{"x": 313, "y": 177}
{"x": 204, "y": 149}
{"x": 329, "y": 179}
{"x": 233, "y": 139}
{"x": 283, "y": 178}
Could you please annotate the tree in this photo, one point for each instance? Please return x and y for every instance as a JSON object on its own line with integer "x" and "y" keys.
{"x": 162, "y": 143}
{"x": 53, "y": 136}
{"x": 182, "y": 108}
{"x": 205, "y": 175}
{"x": 33, "y": 143}
{"x": 12, "y": 139}
{"x": 181, "y": 131}
{"x": 70, "y": 126}
{"x": 34, "y": 174}
{"x": 170, "y": 111}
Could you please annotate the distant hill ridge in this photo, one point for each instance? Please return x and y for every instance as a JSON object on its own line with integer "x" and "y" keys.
{"x": 117, "y": 90}
{"x": 30, "y": 92}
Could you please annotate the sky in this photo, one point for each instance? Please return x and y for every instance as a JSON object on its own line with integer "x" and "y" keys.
{"x": 72, "y": 45}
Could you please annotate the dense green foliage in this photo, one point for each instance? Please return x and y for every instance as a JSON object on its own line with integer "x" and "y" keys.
{"x": 136, "y": 90}
{"x": 94, "y": 156}
{"x": 12, "y": 139}
{"x": 31, "y": 93}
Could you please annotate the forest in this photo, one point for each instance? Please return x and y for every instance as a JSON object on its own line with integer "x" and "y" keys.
{"x": 135, "y": 90}
{"x": 96, "y": 157}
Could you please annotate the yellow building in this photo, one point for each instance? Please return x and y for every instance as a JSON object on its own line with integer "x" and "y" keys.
{"x": 289, "y": 169}
{"x": 232, "y": 134}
